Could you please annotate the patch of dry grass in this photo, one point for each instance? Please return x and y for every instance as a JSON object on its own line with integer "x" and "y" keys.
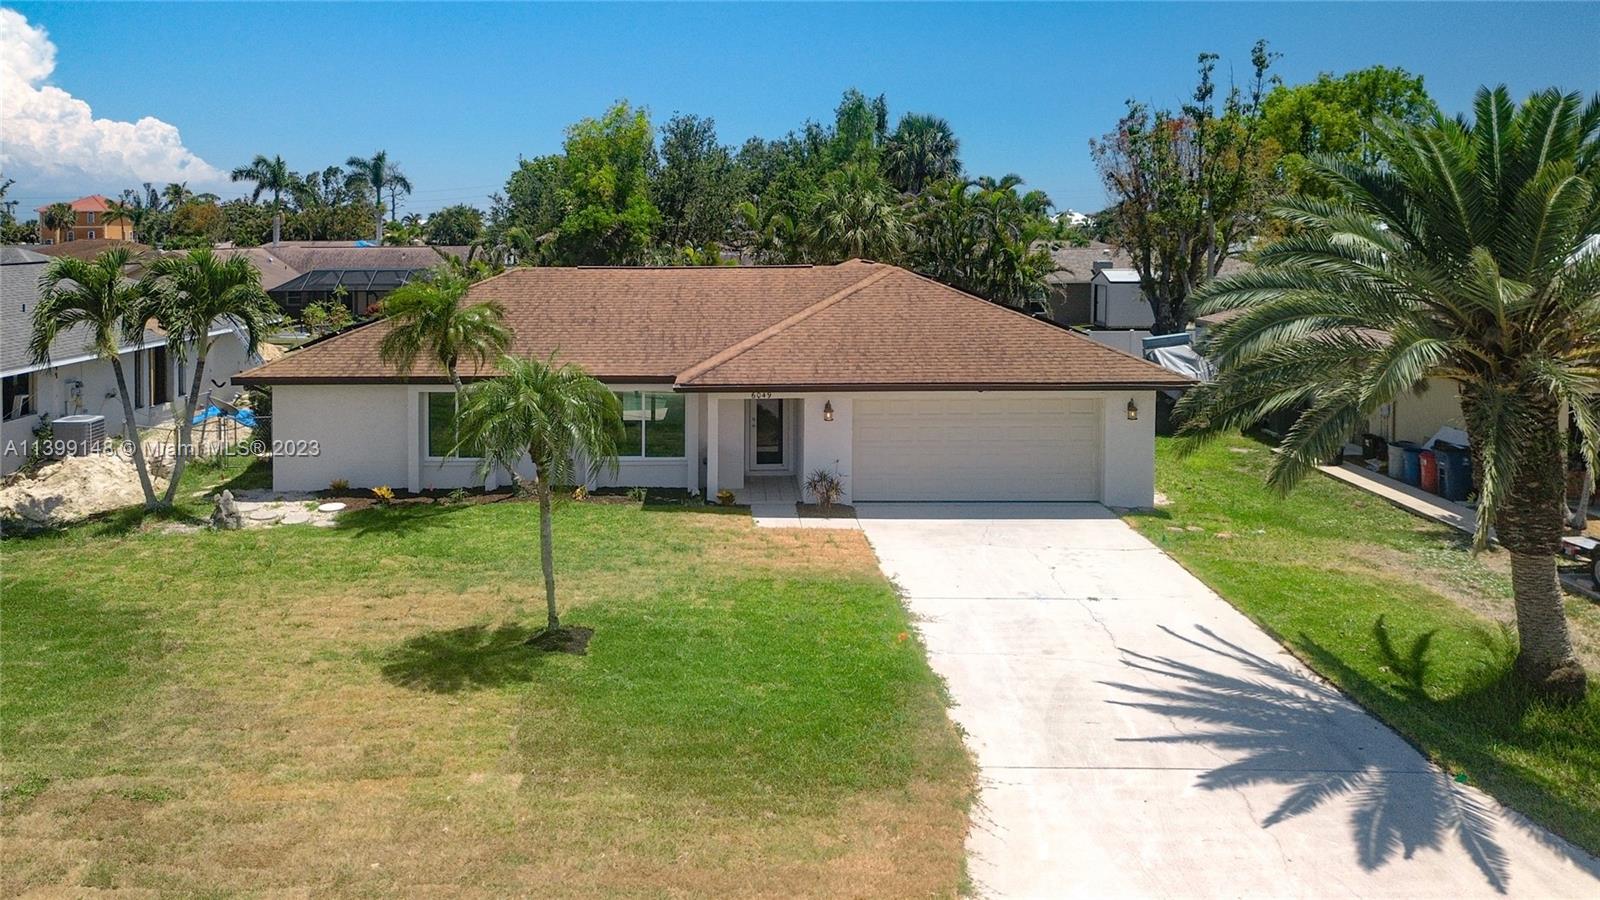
{"x": 353, "y": 712}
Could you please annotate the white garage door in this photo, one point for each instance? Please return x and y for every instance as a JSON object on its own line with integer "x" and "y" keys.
{"x": 977, "y": 448}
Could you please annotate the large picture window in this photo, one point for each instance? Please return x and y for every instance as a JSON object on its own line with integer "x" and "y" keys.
{"x": 652, "y": 425}
{"x": 442, "y": 428}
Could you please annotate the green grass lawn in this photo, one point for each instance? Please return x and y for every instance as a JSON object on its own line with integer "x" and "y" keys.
{"x": 352, "y": 710}
{"x": 1397, "y": 612}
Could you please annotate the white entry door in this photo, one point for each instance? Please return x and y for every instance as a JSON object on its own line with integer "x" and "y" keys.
{"x": 934, "y": 447}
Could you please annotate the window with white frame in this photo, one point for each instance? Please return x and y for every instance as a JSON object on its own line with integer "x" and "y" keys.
{"x": 442, "y": 428}
{"x": 652, "y": 425}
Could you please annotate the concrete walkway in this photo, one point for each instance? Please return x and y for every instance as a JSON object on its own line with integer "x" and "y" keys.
{"x": 1413, "y": 499}
{"x": 1137, "y": 736}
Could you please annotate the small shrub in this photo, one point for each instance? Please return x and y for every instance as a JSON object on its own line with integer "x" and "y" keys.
{"x": 456, "y": 497}
{"x": 826, "y": 487}
{"x": 725, "y": 497}
{"x": 580, "y": 493}
{"x": 384, "y": 493}
{"x": 637, "y": 494}
{"x": 339, "y": 485}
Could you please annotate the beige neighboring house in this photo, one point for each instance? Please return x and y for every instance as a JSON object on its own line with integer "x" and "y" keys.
{"x": 1416, "y": 417}
{"x": 76, "y": 382}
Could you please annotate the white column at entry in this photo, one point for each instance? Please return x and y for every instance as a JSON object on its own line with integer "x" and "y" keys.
{"x": 711, "y": 447}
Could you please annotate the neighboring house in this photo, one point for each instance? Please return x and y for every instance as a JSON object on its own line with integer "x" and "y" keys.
{"x": 297, "y": 275}
{"x": 906, "y": 388}
{"x": 85, "y": 249}
{"x": 1416, "y": 417}
{"x": 89, "y": 223}
{"x": 1068, "y": 296}
{"x": 75, "y": 381}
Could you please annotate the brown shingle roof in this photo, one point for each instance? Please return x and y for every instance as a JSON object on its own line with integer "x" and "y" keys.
{"x": 857, "y": 324}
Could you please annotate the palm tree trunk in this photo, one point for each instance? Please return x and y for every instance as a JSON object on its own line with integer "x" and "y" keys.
{"x": 186, "y": 420}
{"x": 277, "y": 218}
{"x": 547, "y": 559}
{"x": 131, "y": 428}
{"x": 1530, "y": 525}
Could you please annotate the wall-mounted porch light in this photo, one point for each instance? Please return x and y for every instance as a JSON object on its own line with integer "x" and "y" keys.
{"x": 1133, "y": 411}
{"x": 827, "y": 411}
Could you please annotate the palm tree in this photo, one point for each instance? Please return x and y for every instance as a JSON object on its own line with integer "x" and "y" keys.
{"x": 923, "y": 149}
{"x": 188, "y": 296}
{"x": 854, "y": 216}
{"x": 94, "y": 294}
{"x": 57, "y": 216}
{"x": 142, "y": 209}
{"x": 554, "y": 416}
{"x": 272, "y": 176}
{"x": 427, "y": 318}
{"x": 1462, "y": 258}
{"x": 379, "y": 174}
{"x": 177, "y": 193}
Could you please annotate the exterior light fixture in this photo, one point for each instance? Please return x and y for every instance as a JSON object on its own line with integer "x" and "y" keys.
{"x": 827, "y": 411}
{"x": 1133, "y": 411}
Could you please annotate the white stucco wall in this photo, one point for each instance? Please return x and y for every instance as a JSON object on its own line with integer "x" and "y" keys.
{"x": 361, "y": 433}
{"x": 374, "y": 434}
{"x": 1128, "y": 450}
{"x": 95, "y": 393}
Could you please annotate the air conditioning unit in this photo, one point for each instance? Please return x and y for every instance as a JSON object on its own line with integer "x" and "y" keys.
{"x": 79, "y": 435}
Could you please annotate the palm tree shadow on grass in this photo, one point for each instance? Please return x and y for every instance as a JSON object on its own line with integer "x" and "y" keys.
{"x": 472, "y": 658}
{"x": 1281, "y": 727}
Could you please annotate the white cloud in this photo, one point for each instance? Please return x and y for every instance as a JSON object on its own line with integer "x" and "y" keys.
{"x": 50, "y": 141}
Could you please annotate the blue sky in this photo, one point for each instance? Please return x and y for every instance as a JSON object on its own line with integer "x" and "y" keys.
{"x": 455, "y": 92}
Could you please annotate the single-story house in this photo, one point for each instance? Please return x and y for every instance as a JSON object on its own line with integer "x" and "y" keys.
{"x": 1067, "y": 295}
{"x": 904, "y": 387}
{"x": 75, "y": 381}
{"x": 299, "y": 273}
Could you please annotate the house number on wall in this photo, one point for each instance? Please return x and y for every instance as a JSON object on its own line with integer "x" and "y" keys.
{"x": 760, "y": 395}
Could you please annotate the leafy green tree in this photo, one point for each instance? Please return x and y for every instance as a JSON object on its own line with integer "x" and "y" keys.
{"x": 855, "y": 215}
{"x": 190, "y": 295}
{"x": 145, "y": 211}
{"x": 95, "y": 294}
{"x": 247, "y": 224}
{"x": 696, "y": 184}
{"x": 605, "y": 190}
{"x": 328, "y": 206}
{"x": 1468, "y": 255}
{"x": 923, "y": 149}
{"x": 428, "y": 318}
{"x": 1335, "y": 115}
{"x": 271, "y": 176}
{"x": 455, "y": 225}
{"x": 523, "y": 221}
{"x": 768, "y": 235}
{"x": 377, "y": 174}
{"x": 198, "y": 219}
{"x": 860, "y": 128}
{"x": 1188, "y": 186}
{"x": 555, "y": 416}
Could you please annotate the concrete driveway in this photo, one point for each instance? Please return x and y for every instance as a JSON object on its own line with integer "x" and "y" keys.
{"x": 1137, "y": 736}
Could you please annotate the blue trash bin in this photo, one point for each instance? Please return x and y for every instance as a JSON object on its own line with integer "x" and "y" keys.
{"x": 1455, "y": 471}
{"x": 1411, "y": 467}
{"x": 1397, "y": 459}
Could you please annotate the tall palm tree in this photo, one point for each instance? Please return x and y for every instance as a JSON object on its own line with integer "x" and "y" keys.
{"x": 923, "y": 149}
{"x": 378, "y": 174}
{"x": 177, "y": 193}
{"x": 555, "y": 416}
{"x": 272, "y": 176}
{"x": 94, "y": 294}
{"x": 427, "y": 318}
{"x": 854, "y": 215}
{"x": 189, "y": 295}
{"x": 1470, "y": 257}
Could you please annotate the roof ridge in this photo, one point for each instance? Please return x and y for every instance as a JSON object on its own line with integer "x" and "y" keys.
{"x": 1017, "y": 312}
{"x": 755, "y": 340}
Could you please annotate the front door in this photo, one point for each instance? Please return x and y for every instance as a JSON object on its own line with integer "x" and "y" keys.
{"x": 768, "y": 437}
